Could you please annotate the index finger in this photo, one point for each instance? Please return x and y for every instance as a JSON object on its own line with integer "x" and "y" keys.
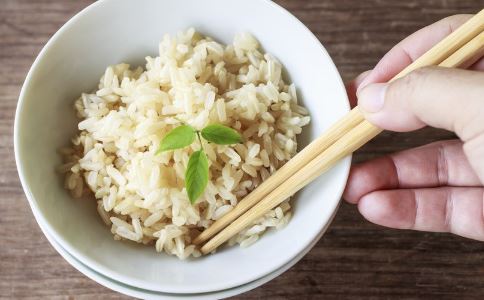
{"x": 412, "y": 47}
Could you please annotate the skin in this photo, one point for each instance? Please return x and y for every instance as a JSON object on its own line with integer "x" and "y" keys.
{"x": 437, "y": 187}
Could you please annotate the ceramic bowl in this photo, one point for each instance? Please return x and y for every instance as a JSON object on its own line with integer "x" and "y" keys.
{"x": 114, "y": 31}
{"x": 152, "y": 295}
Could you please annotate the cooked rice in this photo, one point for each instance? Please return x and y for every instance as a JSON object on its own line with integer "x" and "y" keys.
{"x": 198, "y": 81}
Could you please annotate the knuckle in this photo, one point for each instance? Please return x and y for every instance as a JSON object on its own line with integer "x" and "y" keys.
{"x": 413, "y": 78}
{"x": 420, "y": 74}
{"x": 412, "y": 84}
{"x": 442, "y": 164}
{"x": 406, "y": 85}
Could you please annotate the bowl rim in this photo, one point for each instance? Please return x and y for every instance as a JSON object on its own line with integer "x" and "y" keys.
{"x": 123, "y": 278}
{"x": 148, "y": 294}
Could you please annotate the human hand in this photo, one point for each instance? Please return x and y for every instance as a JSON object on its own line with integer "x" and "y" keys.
{"x": 437, "y": 187}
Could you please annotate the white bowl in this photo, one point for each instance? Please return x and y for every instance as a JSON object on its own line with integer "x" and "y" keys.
{"x": 151, "y": 295}
{"x": 113, "y": 31}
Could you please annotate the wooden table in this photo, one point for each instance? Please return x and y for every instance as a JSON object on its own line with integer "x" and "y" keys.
{"x": 354, "y": 259}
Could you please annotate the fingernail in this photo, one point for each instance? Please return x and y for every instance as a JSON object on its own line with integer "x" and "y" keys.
{"x": 372, "y": 98}
{"x": 360, "y": 79}
{"x": 366, "y": 80}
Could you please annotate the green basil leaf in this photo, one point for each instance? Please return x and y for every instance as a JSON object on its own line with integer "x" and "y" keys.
{"x": 177, "y": 138}
{"x": 221, "y": 135}
{"x": 196, "y": 175}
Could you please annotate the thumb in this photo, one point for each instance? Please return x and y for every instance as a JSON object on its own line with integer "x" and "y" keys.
{"x": 451, "y": 99}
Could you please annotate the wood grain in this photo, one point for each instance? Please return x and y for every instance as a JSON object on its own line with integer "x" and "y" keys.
{"x": 354, "y": 259}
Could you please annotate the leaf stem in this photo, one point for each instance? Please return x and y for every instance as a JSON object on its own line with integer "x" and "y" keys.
{"x": 199, "y": 139}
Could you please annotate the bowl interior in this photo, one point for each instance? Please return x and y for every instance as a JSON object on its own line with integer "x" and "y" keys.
{"x": 113, "y": 31}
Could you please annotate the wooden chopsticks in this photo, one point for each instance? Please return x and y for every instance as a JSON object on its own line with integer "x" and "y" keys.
{"x": 461, "y": 48}
{"x": 467, "y": 54}
{"x": 301, "y": 159}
